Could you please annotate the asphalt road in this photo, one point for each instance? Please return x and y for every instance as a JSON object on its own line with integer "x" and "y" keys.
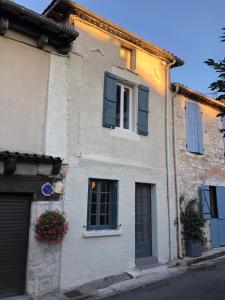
{"x": 204, "y": 283}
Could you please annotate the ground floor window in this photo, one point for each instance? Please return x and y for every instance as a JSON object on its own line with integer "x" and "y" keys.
{"x": 102, "y": 204}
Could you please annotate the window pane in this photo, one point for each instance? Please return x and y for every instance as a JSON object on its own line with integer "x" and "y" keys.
{"x": 126, "y": 108}
{"x": 118, "y": 94}
{"x": 93, "y": 197}
{"x": 93, "y": 208}
{"x": 125, "y": 57}
{"x": 93, "y": 220}
{"x": 93, "y": 186}
{"x": 102, "y": 220}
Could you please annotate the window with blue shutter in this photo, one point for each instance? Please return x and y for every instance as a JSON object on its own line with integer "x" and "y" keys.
{"x": 205, "y": 201}
{"x": 109, "y": 105}
{"x": 143, "y": 100}
{"x": 194, "y": 130}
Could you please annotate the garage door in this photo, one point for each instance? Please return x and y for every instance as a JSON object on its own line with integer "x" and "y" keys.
{"x": 14, "y": 230}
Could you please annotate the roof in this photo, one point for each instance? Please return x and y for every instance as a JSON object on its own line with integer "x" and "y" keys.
{"x": 33, "y": 24}
{"x": 197, "y": 96}
{"x": 58, "y": 9}
{"x": 25, "y": 157}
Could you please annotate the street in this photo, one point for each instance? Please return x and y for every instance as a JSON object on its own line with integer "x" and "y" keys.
{"x": 204, "y": 283}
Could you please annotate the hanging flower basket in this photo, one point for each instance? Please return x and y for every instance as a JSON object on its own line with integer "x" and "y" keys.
{"x": 51, "y": 227}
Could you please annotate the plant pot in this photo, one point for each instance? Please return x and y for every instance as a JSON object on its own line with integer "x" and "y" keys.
{"x": 194, "y": 249}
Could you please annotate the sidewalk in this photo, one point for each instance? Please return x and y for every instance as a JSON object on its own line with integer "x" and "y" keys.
{"x": 138, "y": 278}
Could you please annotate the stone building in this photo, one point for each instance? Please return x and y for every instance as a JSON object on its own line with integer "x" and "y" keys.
{"x": 119, "y": 191}
{"x": 199, "y": 158}
{"x": 33, "y": 86}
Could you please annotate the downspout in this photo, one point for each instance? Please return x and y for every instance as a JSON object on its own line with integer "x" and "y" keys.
{"x": 179, "y": 245}
{"x": 167, "y": 138}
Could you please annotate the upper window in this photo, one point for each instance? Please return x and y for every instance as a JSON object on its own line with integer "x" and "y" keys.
{"x": 123, "y": 107}
{"x": 126, "y": 57}
{"x": 194, "y": 131}
{"x": 102, "y": 204}
{"x": 119, "y": 108}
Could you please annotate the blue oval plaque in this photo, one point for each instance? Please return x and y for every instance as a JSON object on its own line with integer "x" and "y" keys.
{"x": 47, "y": 189}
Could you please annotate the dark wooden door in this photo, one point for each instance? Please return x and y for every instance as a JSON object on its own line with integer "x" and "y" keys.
{"x": 143, "y": 234}
{"x": 14, "y": 230}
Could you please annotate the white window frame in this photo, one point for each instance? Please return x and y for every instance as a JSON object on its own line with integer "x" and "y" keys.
{"x": 122, "y": 87}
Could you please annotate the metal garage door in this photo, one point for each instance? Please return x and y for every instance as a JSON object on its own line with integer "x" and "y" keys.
{"x": 14, "y": 229}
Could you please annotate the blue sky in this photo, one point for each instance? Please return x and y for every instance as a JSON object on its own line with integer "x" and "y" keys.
{"x": 189, "y": 29}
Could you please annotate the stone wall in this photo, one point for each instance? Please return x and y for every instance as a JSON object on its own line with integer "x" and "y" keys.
{"x": 43, "y": 269}
{"x": 193, "y": 170}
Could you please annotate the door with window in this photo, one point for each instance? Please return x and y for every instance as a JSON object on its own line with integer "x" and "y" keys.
{"x": 143, "y": 220}
{"x": 14, "y": 230}
{"x": 213, "y": 208}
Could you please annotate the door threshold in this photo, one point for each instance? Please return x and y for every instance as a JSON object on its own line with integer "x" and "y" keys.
{"x": 146, "y": 262}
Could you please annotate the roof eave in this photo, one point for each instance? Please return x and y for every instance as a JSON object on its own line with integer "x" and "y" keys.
{"x": 26, "y": 21}
{"x": 197, "y": 96}
{"x": 90, "y": 17}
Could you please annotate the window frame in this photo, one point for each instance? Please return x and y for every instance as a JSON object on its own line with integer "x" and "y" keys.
{"x": 113, "y": 219}
{"x": 130, "y": 117}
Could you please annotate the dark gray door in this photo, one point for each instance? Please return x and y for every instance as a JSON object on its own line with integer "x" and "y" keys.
{"x": 143, "y": 235}
{"x": 14, "y": 229}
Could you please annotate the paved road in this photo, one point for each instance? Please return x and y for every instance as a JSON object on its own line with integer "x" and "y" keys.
{"x": 204, "y": 283}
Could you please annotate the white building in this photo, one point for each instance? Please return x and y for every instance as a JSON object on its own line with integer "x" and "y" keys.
{"x": 119, "y": 193}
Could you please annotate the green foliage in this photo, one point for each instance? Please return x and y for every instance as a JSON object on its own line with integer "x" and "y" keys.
{"x": 51, "y": 227}
{"x": 218, "y": 86}
{"x": 193, "y": 222}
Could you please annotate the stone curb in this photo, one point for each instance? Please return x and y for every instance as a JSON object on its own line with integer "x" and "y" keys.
{"x": 140, "y": 281}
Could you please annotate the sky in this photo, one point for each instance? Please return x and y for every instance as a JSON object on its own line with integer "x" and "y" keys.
{"x": 190, "y": 29}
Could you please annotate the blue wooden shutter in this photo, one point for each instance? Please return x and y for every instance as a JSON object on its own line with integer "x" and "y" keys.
{"x": 214, "y": 233}
{"x": 114, "y": 205}
{"x": 143, "y": 99}
{"x": 194, "y": 132}
{"x": 109, "y": 106}
{"x": 220, "y": 195}
{"x": 221, "y": 228}
{"x": 205, "y": 201}
{"x": 199, "y": 129}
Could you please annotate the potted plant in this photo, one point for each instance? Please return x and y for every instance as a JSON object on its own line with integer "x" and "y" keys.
{"x": 193, "y": 225}
{"x": 51, "y": 227}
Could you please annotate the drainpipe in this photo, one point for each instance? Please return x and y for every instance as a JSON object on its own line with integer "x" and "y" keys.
{"x": 167, "y": 138}
{"x": 179, "y": 245}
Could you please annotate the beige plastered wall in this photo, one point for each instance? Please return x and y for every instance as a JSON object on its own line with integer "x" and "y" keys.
{"x": 24, "y": 77}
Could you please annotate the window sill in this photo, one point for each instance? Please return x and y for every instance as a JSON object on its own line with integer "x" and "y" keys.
{"x": 125, "y": 134}
{"x": 101, "y": 233}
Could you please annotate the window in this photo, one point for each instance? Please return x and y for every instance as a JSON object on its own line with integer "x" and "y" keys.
{"x": 102, "y": 204}
{"x": 194, "y": 131}
{"x": 123, "y": 107}
{"x": 119, "y": 109}
{"x": 126, "y": 57}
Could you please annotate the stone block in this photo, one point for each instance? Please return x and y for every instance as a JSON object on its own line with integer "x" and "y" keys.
{"x": 26, "y": 169}
{"x": 45, "y": 286}
{"x": 44, "y": 169}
